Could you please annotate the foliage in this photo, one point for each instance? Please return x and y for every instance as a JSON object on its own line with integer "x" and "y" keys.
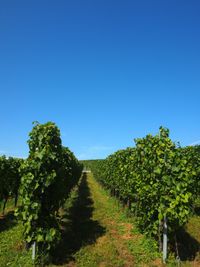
{"x": 163, "y": 183}
{"x": 9, "y": 178}
{"x": 47, "y": 176}
{"x": 155, "y": 179}
{"x": 193, "y": 155}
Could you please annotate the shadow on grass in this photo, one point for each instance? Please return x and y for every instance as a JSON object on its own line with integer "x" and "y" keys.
{"x": 79, "y": 229}
{"x": 7, "y": 221}
{"x": 188, "y": 246}
{"x": 197, "y": 210}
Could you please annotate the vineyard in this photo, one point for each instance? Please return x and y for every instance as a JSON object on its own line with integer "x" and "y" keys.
{"x": 44, "y": 181}
{"x": 158, "y": 181}
{"x": 133, "y": 209}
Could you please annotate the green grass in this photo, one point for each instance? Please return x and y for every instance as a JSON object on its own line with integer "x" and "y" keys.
{"x": 96, "y": 231}
{"x": 12, "y": 251}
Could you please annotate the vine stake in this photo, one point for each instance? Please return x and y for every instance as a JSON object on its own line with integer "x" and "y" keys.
{"x": 165, "y": 240}
{"x": 33, "y": 250}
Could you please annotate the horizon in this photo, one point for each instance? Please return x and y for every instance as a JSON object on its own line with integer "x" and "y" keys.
{"x": 197, "y": 143}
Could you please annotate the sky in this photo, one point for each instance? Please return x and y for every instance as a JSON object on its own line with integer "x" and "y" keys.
{"x": 105, "y": 72}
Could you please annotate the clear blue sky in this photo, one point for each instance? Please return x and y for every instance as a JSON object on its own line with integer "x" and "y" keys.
{"x": 105, "y": 72}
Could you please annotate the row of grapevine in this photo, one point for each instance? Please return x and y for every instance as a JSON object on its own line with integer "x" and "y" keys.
{"x": 47, "y": 176}
{"x": 157, "y": 179}
{"x": 9, "y": 179}
{"x": 193, "y": 156}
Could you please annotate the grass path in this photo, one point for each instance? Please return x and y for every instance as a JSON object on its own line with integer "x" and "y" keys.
{"x": 101, "y": 234}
